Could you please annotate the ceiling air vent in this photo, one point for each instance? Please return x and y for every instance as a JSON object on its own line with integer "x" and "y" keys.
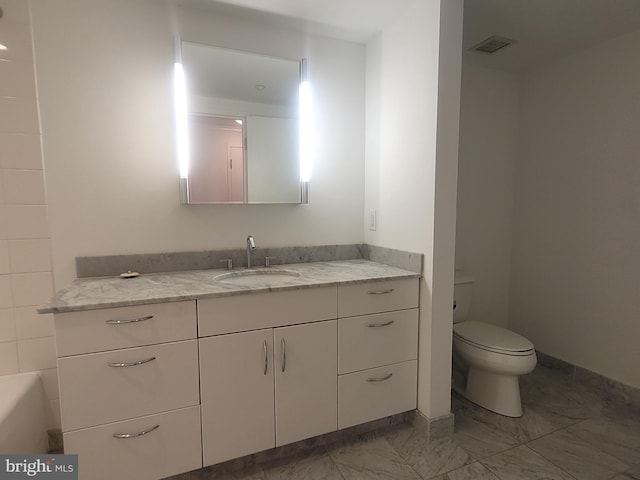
{"x": 492, "y": 44}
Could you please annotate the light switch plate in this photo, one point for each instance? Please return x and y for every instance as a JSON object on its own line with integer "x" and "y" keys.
{"x": 372, "y": 220}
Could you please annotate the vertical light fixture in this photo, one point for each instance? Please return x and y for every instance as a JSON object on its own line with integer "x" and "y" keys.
{"x": 182, "y": 133}
{"x": 305, "y": 119}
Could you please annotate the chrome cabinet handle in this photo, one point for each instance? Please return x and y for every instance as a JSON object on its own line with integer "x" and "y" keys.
{"x": 134, "y": 435}
{"x": 283, "y": 346}
{"x": 380, "y": 379}
{"x": 132, "y": 364}
{"x": 377, "y": 325}
{"x": 133, "y": 320}
{"x": 266, "y": 357}
{"x": 380, "y": 292}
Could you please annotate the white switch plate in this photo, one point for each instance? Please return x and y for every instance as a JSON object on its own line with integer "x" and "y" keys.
{"x": 372, "y": 220}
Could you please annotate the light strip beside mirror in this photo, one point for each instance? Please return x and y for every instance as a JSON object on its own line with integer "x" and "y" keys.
{"x": 181, "y": 122}
{"x": 305, "y": 119}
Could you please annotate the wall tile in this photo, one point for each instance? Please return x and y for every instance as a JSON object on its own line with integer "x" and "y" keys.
{"x": 30, "y": 324}
{"x": 6, "y": 294}
{"x": 20, "y": 150}
{"x": 53, "y": 414}
{"x": 4, "y": 230}
{"x": 8, "y": 358}
{"x": 18, "y": 115}
{"x": 31, "y": 288}
{"x": 29, "y": 255}
{"x": 5, "y": 264}
{"x": 17, "y": 38}
{"x": 23, "y": 187}
{"x": 7, "y": 325}
{"x": 50, "y": 383}
{"x": 15, "y": 12}
{"x": 27, "y": 221}
{"x": 17, "y": 79}
{"x": 36, "y": 354}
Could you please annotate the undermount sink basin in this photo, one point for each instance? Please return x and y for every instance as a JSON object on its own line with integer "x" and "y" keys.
{"x": 262, "y": 276}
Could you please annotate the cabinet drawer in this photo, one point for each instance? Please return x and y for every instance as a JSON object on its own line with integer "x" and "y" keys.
{"x": 93, "y": 392}
{"x": 375, "y": 297}
{"x": 376, "y": 393}
{"x": 240, "y": 313}
{"x": 374, "y": 340}
{"x": 88, "y": 331}
{"x": 171, "y": 448}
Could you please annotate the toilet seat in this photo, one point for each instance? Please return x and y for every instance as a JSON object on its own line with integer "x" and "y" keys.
{"x": 492, "y": 338}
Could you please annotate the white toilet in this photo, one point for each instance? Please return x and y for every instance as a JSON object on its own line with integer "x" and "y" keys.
{"x": 487, "y": 359}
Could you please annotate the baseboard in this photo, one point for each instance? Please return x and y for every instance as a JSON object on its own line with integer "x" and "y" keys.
{"x": 433, "y": 428}
{"x": 614, "y": 389}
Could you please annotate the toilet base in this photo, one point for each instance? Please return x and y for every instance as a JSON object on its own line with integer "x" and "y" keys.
{"x": 496, "y": 392}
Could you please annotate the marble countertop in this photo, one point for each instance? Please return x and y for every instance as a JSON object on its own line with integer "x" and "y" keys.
{"x": 106, "y": 292}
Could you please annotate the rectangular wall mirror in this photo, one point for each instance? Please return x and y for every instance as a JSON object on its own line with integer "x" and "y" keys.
{"x": 240, "y": 126}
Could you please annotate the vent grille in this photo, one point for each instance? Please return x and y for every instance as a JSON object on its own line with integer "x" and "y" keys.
{"x": 492, "y": 44}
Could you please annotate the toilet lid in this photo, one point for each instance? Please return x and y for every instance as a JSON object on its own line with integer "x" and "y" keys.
{"x": 491, "y": 336}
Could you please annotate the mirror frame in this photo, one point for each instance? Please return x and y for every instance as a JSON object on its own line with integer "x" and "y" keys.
{"x": 181, "y": 113}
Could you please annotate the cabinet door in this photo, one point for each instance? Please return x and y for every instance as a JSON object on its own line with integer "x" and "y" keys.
{"x": 306, "y": 380}
{"x": 236, "y": 381}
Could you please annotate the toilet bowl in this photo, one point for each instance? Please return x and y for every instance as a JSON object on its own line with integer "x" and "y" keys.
{"x": 493, "y": 358}
{"x": 488, "y": 359}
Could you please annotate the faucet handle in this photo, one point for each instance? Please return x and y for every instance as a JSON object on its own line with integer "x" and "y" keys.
{"x": 229, "y": 262}
{"x": 267, "y": 260}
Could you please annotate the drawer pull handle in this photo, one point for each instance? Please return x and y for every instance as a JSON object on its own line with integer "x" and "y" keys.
{"x": 132, "y": 364}
{"x": 133, "y": 320}
{"x": 380, "y": 379}
{"x": 134, "y": 435}
{"x": 378, "y": 325}
{"x": 283, "y": 346}
{"x": 380, "y": 292}
{"x": 266, "y": 357}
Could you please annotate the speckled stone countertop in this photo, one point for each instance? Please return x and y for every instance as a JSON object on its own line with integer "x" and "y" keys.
{"x": 105, "y": 292}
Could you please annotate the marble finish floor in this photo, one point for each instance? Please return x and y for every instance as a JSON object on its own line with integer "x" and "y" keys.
{"x": 567, "y": 432}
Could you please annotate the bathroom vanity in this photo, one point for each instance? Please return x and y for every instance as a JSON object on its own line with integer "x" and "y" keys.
{"x": 167, "y": 373}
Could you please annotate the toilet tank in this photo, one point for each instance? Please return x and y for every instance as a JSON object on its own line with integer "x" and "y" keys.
{"x": 462, "y": 290}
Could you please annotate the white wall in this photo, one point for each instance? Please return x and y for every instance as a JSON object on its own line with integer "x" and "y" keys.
{"x": 104, "y": 72}
{"x": 576, "y": 254}
{"x": 403, "y": 146}
{"x": 489, "y": 131}
{"x": 26, "y": 338}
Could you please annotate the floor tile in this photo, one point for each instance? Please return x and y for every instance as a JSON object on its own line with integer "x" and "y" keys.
{"x": 631, "y": 474}
{"x": 534, "y": 423}
{"x": 217, "y": 473}
{"x": 557, "y": 394}
{"x": 581, "y": 458}
{"x": 428, "y": 458}
{"x": 371, "y": 460}
{"x": 481, "y": 438}
{"x": 618, "y": 437}
{"x": 522, "y": 463}
{"x": 473, "y": 471}
{"x": 315, "y": 465}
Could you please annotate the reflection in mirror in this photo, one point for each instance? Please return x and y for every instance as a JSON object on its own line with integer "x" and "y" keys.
{"x": 239, "y": 137}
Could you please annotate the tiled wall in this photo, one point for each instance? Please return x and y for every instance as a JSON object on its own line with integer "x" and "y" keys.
{"x": 26, "y": 338}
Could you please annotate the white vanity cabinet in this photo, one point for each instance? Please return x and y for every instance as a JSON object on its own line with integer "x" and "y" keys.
{"x": 377, "y": 350}
{"x": 271, "y": 386}
{"x": 151, "y": 391}
{"x": 129, "y": 390}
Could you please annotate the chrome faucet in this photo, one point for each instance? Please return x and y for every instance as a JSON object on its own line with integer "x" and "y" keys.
{"x": 251, "y": 245}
